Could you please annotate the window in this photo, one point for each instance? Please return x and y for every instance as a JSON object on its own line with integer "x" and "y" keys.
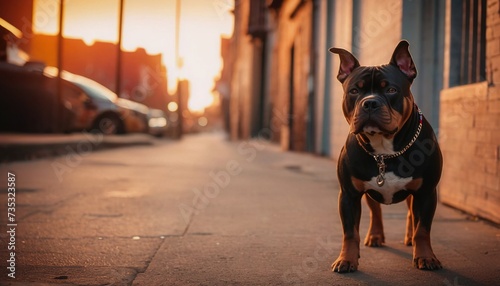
{"x": 468, "y": 42}
{"x": 257, "y": 24}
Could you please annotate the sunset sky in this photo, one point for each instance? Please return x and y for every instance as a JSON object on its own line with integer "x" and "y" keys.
{"x": 151, "y": 24}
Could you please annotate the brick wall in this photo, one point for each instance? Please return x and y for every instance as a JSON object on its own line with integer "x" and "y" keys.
{"x": 469, "y": 134}
{"x": 293, "y": 30}
{"x": 342, "y": 38}
{"x": 377, "y": 20}
{"x": 241, "y": 85}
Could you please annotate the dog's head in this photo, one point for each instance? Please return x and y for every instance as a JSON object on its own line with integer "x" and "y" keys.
{"x": 377, "y": 99}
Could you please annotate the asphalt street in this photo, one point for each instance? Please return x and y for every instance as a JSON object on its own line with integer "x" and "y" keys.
{"x": 206, "y": 211}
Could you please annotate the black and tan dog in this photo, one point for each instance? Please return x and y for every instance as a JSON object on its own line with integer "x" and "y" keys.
{"x": 391, "y": 154}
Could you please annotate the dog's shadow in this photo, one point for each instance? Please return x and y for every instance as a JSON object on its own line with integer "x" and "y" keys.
{"x": 397, "y": 251}
{"x": 445, "y": 276}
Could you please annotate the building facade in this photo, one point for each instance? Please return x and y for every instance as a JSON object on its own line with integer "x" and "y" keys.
{"x": 144, "y": 76}
{"x": 283, "y": 85}
{"x": 284, "y": 79}
{"x": 470, "y": 108}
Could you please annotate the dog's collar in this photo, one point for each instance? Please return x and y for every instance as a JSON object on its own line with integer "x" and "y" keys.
{"x": 379, "y": 158}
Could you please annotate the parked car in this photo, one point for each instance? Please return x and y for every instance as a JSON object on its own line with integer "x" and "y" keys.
{"x": 135, "y": 115}
{"x": 157, "y": 122}
{"x": 110, "y": 114}
{"x": 28, "y": 102}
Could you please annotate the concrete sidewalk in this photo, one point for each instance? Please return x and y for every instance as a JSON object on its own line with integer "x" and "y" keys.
{"x": 276, "y": 223}
{"x": 205, "y": 211}
{"x": 20, "y": 147}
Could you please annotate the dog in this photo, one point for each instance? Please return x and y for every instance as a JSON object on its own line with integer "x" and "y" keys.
{"x": 391, "y": 154}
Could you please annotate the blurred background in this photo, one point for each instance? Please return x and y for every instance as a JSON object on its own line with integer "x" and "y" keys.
{"x": 128, "y": 66}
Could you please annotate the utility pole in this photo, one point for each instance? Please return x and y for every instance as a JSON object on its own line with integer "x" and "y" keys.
{"x": 177, "y": 31}
{"x": 119, "y": 51}
{"x": 59, "y": 111}
{"x": 179, "y": 66}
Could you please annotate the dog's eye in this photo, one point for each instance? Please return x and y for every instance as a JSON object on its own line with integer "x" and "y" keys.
{"x": 353, "y": 91}
{"x": 392, "y": 90}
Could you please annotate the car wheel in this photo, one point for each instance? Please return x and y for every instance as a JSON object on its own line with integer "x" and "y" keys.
{"x": 108, "y": 125}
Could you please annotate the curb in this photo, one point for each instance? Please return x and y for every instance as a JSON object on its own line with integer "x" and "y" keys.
{"x": 26, "y": 147}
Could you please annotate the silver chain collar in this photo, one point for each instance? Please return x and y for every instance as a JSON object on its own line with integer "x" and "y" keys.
{"x": 379, "y": 158}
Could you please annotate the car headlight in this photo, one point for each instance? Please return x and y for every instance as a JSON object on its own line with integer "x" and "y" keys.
{"x": 157, "y": 122}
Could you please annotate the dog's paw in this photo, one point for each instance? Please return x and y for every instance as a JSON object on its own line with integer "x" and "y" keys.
{"x": 427, "y": 263}
{"x": 408, "y": 241}
{"x": 344, "y": 266}
{"x": 375, "y": 240}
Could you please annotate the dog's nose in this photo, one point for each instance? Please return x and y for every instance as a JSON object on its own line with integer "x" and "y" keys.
{"x": 371, "y": 105}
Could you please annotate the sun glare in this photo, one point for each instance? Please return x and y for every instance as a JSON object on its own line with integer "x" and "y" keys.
{"x": 150, "y": 24}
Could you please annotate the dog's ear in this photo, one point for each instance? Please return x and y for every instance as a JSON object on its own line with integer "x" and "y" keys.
{"x": 348, "y": 63}
{"x": 401, "y": 58}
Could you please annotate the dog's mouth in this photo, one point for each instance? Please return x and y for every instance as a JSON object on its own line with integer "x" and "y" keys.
{"x": 371, "y": 124}
{"x": 373, "y": 129}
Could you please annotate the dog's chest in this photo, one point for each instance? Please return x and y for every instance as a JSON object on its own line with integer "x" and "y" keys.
{"x": 391, "y": 186}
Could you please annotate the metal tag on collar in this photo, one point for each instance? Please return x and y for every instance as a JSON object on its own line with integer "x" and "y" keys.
{"x": 381, "y": 169}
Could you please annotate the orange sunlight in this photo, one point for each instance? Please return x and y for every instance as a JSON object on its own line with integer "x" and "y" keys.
{"x": 151, "y": 24}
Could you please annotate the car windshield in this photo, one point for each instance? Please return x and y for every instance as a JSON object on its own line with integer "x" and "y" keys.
{"x": 92, "y": 88}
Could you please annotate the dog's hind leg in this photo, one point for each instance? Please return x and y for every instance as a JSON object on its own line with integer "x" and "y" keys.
{"x": 409, "y": 223}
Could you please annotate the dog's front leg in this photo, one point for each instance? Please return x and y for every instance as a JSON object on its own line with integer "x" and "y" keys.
{"x": 423, "y": 208}
{"x": 350, "y": 214}
{"x": 375, "y": 236}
